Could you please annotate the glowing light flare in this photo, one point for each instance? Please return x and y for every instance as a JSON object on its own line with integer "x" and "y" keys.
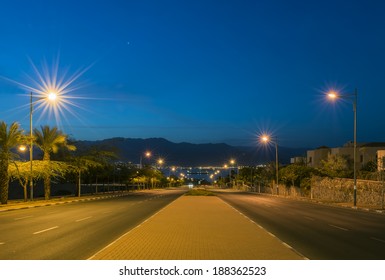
{"x": 147, "y": 154}
{"x": 22, "y": 148}
{"x": 265, "y": 138}
{"x": 333, "y": 95}
{"x": 52, "y": 91}
{"x": 52, "y": 96}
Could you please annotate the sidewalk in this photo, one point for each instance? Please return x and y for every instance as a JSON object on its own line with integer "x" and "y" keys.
{"x": 198, "y": 228}
{"x": 39, "y": 202}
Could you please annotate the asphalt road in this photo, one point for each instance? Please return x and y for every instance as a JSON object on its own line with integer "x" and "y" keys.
{"x": 76, "y": 230}
{"x": 315, "y": 230}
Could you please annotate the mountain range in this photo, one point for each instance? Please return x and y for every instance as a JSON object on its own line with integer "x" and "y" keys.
{"x": 188, "y": 154}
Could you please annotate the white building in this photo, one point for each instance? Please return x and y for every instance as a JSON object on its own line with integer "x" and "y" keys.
{"x": 366, "y": 152}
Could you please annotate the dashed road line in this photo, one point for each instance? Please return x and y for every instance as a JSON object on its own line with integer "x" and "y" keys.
{"x": 378, "y": 239}
{"x": 21, "y": 218}
{"x": 44, "y": 230}
{"x": 309, "y": 218}
{"x": 83, "y": 219}
{"x": 341, "y": 228}
{"x": 2, "y": 243}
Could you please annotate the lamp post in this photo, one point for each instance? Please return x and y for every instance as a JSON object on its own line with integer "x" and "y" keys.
{"x": 51, "y": 97}
{"x": 31, "y": 147}
{"x": 267, "y": 139}
{"x": 160, "y": 162}
{"x": 230, "y": 173}
{"x": 333, "y": 95}
{"x": 147, "y": 155}
{"x": 232, "y": 163}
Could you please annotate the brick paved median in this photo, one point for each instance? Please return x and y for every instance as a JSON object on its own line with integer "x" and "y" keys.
{"x": 197, "y": 228}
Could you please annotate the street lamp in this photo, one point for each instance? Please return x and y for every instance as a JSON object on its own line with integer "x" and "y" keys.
{"x": 333, "y": 95}
{"x": 50, "y": 97}
{"x": 147, "y": 155}
{"x": 160, "y": 162}
{"x": 232, "y": 162}
{"x": 22, "y": 148}
{"x": 267, "y": 139}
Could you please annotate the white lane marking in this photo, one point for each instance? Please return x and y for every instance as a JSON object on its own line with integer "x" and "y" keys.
{"x": 341, "y": 228}
{"x": 378, "y": 239}
{"x": 287, "y": 245}
{"x": 268, "y": 232}
{"x": 86, "y": 218}
{"x": 21, "y": 218}
{"x": 2, "y": 243}
{"x": 44, "y": 230}
{"x": 309, "y": 218}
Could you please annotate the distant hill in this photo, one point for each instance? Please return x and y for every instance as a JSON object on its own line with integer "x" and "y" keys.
{"x": 187, "y": 154}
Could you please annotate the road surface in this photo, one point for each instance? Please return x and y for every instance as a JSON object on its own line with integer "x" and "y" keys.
{"x": 315, "y": 230}
{"x": 76, "y": 230}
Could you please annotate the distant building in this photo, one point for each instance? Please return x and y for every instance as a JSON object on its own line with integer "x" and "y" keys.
{"x": 315, "y": 157}
{"x": 366, "y": 152}
{"x": 381, "y": 160}
{"x": 298, "y": 160}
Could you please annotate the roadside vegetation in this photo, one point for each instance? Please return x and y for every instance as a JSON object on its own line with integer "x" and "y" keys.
{"x": 59, "y": 158}
{"x": 297, "y": 175}
{"x": 199, "y": 192}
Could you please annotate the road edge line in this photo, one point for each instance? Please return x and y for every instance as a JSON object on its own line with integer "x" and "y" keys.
{"x": 273, "y": 235}
{"x": 128, "y": 232}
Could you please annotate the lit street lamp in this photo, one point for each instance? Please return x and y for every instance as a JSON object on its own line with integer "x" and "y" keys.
{"x": 333, "y": 95}
{"x": 147, "y": 155}
{"x": 267, "y": 139}
{"x": 160, "y": 162}
{"x": 22, "y": 148}
{"x": 232, "y": 162}
{"x": 50, "y": 97}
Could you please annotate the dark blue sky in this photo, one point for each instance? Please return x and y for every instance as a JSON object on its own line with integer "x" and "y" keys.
{"x": 200, "y": 71}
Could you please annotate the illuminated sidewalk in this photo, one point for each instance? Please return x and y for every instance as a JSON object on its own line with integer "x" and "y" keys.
{"x": 39, "y": 202}
{"x": 197, "y": 228}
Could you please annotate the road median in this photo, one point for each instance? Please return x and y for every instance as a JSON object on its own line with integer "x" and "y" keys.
{"x": 198, "y": 228}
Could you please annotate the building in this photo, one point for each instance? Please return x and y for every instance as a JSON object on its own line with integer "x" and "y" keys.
{"x": 380, "y": 160}
{"x": 366, "y": 152}
{"x": 315, "y": 157}
{"x": 298, "y": 160}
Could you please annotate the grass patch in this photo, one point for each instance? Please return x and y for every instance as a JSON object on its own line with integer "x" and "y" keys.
{"x": 199, "y": 192}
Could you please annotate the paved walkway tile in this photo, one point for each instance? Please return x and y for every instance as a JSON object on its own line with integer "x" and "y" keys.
{"x": 197, "y": 228}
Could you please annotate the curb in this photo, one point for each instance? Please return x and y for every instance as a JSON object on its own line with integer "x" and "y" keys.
{"x": 324, "y": 203}
{"x": 47, "y": 203}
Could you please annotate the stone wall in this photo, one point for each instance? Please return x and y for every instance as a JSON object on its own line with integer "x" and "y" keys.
{"x": 340, "y": 190}
{"x": 370, "y": 194}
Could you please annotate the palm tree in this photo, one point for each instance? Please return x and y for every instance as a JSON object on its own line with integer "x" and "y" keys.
{"x": 50, "y": 140}
{"x": 9, "y": 138}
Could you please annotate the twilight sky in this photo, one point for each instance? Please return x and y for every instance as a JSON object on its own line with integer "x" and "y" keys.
{"x": 197, "y": 71}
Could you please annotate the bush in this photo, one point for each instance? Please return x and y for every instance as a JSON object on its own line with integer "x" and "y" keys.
{"x": 199, "y": 192}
